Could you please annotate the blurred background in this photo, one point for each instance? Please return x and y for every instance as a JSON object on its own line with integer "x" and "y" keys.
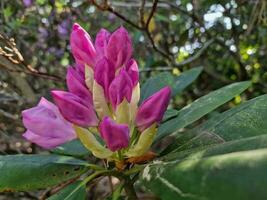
{"x": 227, "y": 38}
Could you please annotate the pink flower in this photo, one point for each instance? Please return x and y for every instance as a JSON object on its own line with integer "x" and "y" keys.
{"x": 104, "y": 73}
{"x": 75, "y": 109}
{"x": 133, "y": 72}
{"x": 81, "y": 46}
{"x": 116, "y": 136}
{"x": 45, "y": 125}
{"x": 121, "y": 87}
{"x": 103, "y": 92}
{"x": 101, "y": 42}
{"x": 76, "y": 85}
{"x": 152, "y": 109}
{"x": 119, "y": 47}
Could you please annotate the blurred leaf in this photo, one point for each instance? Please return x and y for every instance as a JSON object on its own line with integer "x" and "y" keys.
{"x": 201, "y": 107}
{"x": 178, "y": 84}
{"x": 74, "y": 191}
{"x": 29, "y": 172}
{"x": 72, "y": 148}
{"x": 240, "y": 175}
{"x": 170, "y": 113}
{"x": 185, "y": 79}
{"x": 245, "y": 120}
{"x": 251, "y": 143}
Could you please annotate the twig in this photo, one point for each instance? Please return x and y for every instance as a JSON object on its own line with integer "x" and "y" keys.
{"x": 10, "y": 54}
{"x": 106, "y": 7}
{"x": 141, "y": 12}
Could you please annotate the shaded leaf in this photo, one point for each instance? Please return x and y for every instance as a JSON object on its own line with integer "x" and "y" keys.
{"x": 201, "y": 107}
{"x": 245, "y": 144}
{"x": 240, "y": 175}
{"x": 72, "y": 148}
{"x": 74, "y": 191}
{"x": 29, "y": 172}
{"x": 177, "y": 83}
{"x": 245, "y": 120}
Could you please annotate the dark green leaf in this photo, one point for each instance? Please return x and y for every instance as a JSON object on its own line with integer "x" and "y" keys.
{"x": 29, "y": 172}
{"x": 72, "y": 148}
{"x": 74, "y": 191}
{"x": 240, "y": 175}
{"x": 178, "y": 84}
{"x": 251, "y": 143}
{"x": 169, "y": 114}
{"x": 154, "y": 84}
{"x": 185, "y": 79}
{"x": 201, "y": 107}
{"x": 245, "y": 120}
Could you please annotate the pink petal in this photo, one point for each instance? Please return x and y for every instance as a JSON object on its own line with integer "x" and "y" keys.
{"x": 74, "y": 110}
{"x": 37, "y": 119}
{"x": 104, "y": 74}
{"x": 77, "y": 86}
{"x": 121, "y": 87}
{"x": 152, "y": 109}
{"x": 119, "y": 48}
{"x": 132, "y": 70}
{"x": 81, "y": 46}
{"x": 116, "y": 136}
{"x": 101, "y": 42}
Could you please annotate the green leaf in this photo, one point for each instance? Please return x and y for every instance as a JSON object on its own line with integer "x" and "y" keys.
{"x": 245, "y": 144}
{"x": 201, "y": 107}
{"x": 185, "y": 79}
{"x": 71, "y": 192}
{"x": 190, "y": 141}
{"x": 245, "y": 120}
{"x": 73, "y": 148}
{"x": 170, "y": 113}
{"x": 154, "y": 84}
{"x": 30, "y": 172}
{"x": 178, "y": 84}
{"x": 240, "y": 175}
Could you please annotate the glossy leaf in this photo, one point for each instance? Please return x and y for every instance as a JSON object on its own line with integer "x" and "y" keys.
{"x": 74, "y": 191}
{"x": 177, "y": 83}
{"x": 73, "y": 148}
{"x": 30, "y": 172}
{"x": 245, "y": 120}
{"x": 252, "y": 143}
{"x": 240, "y": 175}
{"x": 201, "y": 107}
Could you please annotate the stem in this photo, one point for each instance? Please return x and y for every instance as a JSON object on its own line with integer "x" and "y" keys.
{"x": 128, "y": 183}
{"x": 120, "y": 155}
{"x": 95, "y": 167}
{"x": 129, "y": 189}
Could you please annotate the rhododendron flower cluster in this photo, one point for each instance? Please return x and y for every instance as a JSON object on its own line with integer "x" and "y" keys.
{"x": 101, "y": 101}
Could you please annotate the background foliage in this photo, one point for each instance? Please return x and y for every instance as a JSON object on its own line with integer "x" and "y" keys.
{"x": 227, "y": 39}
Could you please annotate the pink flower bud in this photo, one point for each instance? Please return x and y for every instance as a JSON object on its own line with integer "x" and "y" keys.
{"x": 101, "y": 42}
{"x": 45, "y": 125}
{"x": 75, "y": 109}
{"x": 153, "y": 108}
{"x": 76, "y": 85}
{"x": 104, "y": 74}
{"x": 121, "y": 87}
{"x": 119, "y": 48}
{"x": 81, "y": 46}
{"x": 116, "y": 136}
{"x": 132, "y": 70}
